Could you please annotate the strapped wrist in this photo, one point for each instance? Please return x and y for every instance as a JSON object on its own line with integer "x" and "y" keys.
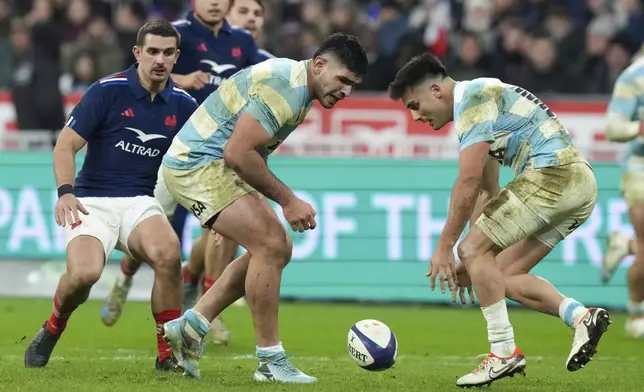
{"x": 65, "y": 189}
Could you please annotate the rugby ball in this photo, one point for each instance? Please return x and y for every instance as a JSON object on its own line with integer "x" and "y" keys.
{"x": 372, "y": 345}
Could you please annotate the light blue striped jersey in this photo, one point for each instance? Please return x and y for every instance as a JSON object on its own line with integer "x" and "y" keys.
{"x": 626, "y": 105}
{"x": 275, "y": 92}
{"x": 522, "y": 130}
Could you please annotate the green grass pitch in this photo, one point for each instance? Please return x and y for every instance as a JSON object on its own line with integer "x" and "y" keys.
{"x": 436, "y": 345}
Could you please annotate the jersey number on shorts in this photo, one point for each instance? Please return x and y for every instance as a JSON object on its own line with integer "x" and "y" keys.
{"x": 530, "y": 97}
{"x": 197, "y": 209}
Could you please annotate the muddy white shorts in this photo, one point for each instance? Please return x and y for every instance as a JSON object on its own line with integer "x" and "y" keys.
{"x": 168, "y": 203}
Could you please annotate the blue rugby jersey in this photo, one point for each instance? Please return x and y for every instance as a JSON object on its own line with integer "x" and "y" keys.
{"x": 221, "y": 55}
{"x": 127, "y": 134}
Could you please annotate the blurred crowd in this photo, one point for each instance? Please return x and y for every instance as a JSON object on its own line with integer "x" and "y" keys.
{"x": 49, "y": 47}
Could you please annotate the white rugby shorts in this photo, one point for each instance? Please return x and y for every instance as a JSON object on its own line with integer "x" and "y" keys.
{"x": 111, "y": 220}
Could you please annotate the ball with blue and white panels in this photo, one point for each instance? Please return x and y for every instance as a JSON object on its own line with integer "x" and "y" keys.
{"x": 372, "y": 345}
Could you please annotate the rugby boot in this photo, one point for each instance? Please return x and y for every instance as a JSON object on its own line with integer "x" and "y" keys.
{"x": 494, "y": 368}
{"x": 169, "y": 364}
{"x": 274, "y": 365}
{"x": 39, "y": 350}
{"x": 185, "y": 336}
{"x": 218, "y": 331}
{"x": 587, "y": 334}
{"x": 113, "y": 304}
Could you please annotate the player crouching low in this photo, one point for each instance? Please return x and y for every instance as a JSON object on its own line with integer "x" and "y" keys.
{"x": 216, "y": 168}
{"x": 513, "y": 229}
{"x": 127, "y": 121}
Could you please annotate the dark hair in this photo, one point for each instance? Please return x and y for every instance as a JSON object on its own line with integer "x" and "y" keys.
{"x": 416, "y": 71}
{"x": 161, "y": 28}
{"x": 259, "y": 2}
{"x": 348, "y": 49}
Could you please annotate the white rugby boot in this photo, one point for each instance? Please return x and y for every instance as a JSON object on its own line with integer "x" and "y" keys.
{"x": 588, "y": 332}
{"x": 494, "y": 368}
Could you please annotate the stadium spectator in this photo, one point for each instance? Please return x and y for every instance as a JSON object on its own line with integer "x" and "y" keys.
{"x": 102, "y": 42}
{"x": 587, "y": 40}
{"x": 544, "y": 71}
{"x": 5, "y": 49}
{"x": 35, "y": 43}
{"x": 568, "y": 37}
{"x": 469, "y": 60}
{"x": 599, "y": 34}
{"x": 128, "y": 19}
{"x": 507, "y": 57}
{"x": 84, "y": 73}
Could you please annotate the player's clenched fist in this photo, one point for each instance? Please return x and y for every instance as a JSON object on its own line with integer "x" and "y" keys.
{"x": 299, "y": 214}
{"x": 67, "y": 209}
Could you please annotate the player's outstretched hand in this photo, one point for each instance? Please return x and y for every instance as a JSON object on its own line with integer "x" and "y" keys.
{"x": 299, "y": 214}
{"x": 470, "y": 293}
{"x": 443, "y": 267}
{"x": 464, "y": 284}
{"x": 67, "y": 209}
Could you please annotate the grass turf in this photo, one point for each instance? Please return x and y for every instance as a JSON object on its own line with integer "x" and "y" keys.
{"x": 436, "y": 345}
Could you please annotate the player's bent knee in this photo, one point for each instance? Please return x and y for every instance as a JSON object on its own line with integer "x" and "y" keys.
{"x": 465, "y": 252}
{"x": 475, "y": 244}
{"x": 165, "y": 257}
{"x": 275, "y": 248}
{"x": 85, "y": 260}
{"x": 83, "y": 274}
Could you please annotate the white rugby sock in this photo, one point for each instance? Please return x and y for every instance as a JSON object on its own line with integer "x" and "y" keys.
{"x": 270, "y": 350}
{"x": 572, "y": 311}
{"x": 635, "y": 308}
{"x": 499, "y": 330}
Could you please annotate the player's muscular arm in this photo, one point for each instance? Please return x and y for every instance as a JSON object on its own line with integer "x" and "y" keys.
{"x": 489, "y": 187}
{"x": 621, "y": 129}
{"x": 240, "y": 153}
{"x": 465, "y": 192}
{"x": 68, "y": 144}
{"x": 622, "y": 109}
